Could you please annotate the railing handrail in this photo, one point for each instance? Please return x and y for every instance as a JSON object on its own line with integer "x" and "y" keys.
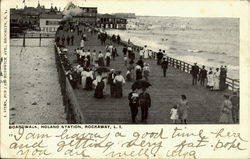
{"x": 182, "y": 65}
{"x": 69, "y": 92}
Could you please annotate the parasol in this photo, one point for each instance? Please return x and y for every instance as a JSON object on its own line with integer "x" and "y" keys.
{"x": 102, "y": 69}
{"x": 141, "y": 84}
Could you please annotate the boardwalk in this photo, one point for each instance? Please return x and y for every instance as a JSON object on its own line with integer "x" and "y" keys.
{"x": 204, "y": 104}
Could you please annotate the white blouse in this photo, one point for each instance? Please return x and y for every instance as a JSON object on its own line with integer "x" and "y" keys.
{"x": 119, "y": 78}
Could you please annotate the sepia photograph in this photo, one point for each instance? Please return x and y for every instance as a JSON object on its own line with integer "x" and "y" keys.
{"x": 104, "y": 62}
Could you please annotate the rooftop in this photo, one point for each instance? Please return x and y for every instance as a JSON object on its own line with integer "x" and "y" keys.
{"x": 51, "y": 16}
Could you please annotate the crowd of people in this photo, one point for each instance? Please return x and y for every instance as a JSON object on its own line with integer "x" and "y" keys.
{"x": 214, "y": 80}
{"x": 93, "y": 72}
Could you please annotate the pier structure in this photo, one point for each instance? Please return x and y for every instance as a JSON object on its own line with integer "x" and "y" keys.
{"x": 82, "y": 107}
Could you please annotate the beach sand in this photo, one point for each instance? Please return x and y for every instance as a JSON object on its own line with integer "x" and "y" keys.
{"x": 35, "y": 95}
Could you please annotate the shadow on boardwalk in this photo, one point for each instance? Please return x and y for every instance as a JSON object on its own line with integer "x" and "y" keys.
{"x": 204, "y": 104}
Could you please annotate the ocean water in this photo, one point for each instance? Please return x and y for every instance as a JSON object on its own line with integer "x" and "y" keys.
{"x": 208, "y": 41}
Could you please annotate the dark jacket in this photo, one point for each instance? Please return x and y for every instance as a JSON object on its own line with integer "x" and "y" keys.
{"x": 203, "y": 74}
{"x": 195, "y": 70}
{"x": 144, "y": 100}
{"x": 140, "y": 62}
{"x": 110, "y": 79}
{"x": 133, "y": 101}
{"x": 164, "y": 64}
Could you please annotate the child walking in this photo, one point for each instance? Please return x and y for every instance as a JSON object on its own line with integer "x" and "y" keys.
{"x": 174, "y": 114}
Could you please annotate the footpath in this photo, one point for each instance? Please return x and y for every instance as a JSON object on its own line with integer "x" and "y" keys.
{"x": 165, "y": 92}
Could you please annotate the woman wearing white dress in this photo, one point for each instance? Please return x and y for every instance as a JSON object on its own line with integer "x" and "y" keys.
{"x": 93, "y": 57}
{"x": 216, "y": 79}
{"x": 84, "y": 75}
{"x": 82, "y": 43}
{"x": 141, "y": 53}
{"x": 145, "y": 53}
{"x": 210, "y": 79}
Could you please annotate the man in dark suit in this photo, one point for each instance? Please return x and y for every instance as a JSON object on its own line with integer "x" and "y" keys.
{"x": 203, "y": 75}
{"x": 164, "y": 66}
{"x": 159, "y": 57}
{"x": 133, "y": 98}
{"x": 111, "y": 83}
{"x": 194, "y": 72}
{"x": 144, "y": 103}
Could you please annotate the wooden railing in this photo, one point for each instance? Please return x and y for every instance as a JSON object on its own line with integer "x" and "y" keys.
{"x": 233, "y": 84}
{"x": 31, "y": 35}
{"x": 72, "y": 108}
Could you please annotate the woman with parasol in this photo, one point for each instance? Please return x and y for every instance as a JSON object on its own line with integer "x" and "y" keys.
{"x": 144, "y": 98}
{"x": 133, "y": 98}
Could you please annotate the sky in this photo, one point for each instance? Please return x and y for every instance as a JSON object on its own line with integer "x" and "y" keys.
{"x": 193, "y": 8}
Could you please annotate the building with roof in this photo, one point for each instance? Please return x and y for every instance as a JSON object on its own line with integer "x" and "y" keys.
{"x": 88, "y": 15}
{"x": 111, "y": 21}
{"x": 28, "y": 18}
{"x": 49, "y": 22}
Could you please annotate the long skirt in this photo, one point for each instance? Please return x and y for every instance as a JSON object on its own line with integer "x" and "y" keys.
{"x": 118, "y": 89}
{"x": 216, "y": 84}
{"x": 146, "y": 74}
{"x": 138, "y": 75}
{"x": 83, "y": 82}
{"x": 210, "y": 81}
{"x": 226, "y": 118}
{"x": 88, "y": 83}
{"x": 129, "y": 77}
{"x": 82, "y": 43}
{"x": 99, "y": 91}
{"x": 100, "y": 62}
{"x": 108, "y": 61}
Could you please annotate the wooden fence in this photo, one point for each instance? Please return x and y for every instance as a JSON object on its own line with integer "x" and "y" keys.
{"x": 72, "y": 108}
{"x": 232, "y": 84}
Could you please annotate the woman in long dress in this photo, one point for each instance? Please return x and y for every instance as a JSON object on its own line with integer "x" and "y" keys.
{"x": 145, "y": 53}
{"x": 183, "y": 109}
{"x": 216, "y": 79}
{"x": 99, "y": 87}
{"x": 100, "y": 59}
{"x": 88, "y": 55}
{"x": 89, "y": 78}
{"x": 138, "y": 72}
{"x": 107, "y": 58}
{"x": 226, "y": 116}
{"x": 82, "y": 43}
{"x": 93, "y": 57}
{"x": 84, "y": 76}
{"x": 82, "y": 57}
{"x": 146, "y": 71}
{"x": 210, "y": 79}
{"x": 119, "y": 81}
